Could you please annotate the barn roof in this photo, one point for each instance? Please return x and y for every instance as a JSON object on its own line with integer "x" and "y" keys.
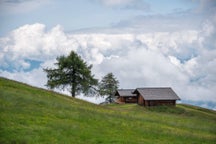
{"x": 157, "y": 93}
{"x": 125, "y": 92}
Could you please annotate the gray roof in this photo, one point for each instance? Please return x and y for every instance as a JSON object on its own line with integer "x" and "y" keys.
{"x": 157, "y": 93}
{"x": 125, "y": 92}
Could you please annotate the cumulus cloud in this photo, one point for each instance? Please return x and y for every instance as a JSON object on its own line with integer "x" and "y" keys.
{"x": 184, "y": 60}
{"x": 33, "y": 42}
{"x": 35, "y": 77}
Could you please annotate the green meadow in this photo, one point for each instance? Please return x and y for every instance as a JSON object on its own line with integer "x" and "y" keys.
{"x": 32, "y": 115}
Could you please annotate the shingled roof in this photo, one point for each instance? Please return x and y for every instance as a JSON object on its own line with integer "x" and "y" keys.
{"x": 157, "y": 93}
{"x": 125, "y": 92}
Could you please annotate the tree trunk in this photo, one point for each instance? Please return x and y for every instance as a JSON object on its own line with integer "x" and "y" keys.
{"x": 73, "y": 84}
{"x": 73, "y": 90}
{"x": 110, "y": 99}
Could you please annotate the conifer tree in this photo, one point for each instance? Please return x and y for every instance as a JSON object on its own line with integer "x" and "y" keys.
{"x": 108, "y": 86}
{"x": 71, "y": 71}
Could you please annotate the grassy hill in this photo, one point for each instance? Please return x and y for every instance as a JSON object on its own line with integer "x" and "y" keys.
{"x": 33, "y": 115}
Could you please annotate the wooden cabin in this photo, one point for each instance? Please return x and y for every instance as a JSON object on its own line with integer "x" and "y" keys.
{"x": 156, "y": 96}
{"x": 125, "y": 96}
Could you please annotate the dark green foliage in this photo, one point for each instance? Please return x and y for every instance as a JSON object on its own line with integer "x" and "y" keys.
{"x": 71, "y": 71}
{"x": 108, "y": 86}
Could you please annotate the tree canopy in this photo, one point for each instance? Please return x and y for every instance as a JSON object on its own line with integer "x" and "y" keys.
{"x": 108, "y": 86}
{"x": 71, "y": 71}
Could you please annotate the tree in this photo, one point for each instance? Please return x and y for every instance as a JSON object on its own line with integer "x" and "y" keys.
{"x": 71, "y": 71}
{"x": 108, "y": 86}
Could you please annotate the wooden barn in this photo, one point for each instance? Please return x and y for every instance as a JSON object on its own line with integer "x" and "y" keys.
{"x": 156, "y": 96}
{"x": 125, "y": 96}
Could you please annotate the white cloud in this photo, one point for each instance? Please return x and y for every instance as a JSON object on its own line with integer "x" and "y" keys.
{"x": 96, "y": 100}
{"x": 36, "y": 77}
{"x": 178, "y": 59}
{"x": 33, "y": 42}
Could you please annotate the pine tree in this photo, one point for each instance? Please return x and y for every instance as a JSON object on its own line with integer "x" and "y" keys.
{"x": 108, "y": 86}
{"x": 71, "y": 71}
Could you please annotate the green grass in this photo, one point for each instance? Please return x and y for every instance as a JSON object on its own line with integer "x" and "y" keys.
{"x": 33, "y": 115}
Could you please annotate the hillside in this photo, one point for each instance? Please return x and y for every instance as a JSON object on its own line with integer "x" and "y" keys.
{"x": 33, "y": 115}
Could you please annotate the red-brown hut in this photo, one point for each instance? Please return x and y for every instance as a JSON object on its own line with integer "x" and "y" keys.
{"x": 126, "y": 96}
{"x": 156, "y": 96}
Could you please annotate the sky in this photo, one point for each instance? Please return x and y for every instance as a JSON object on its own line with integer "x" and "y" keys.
{"x": 144, "y": 43}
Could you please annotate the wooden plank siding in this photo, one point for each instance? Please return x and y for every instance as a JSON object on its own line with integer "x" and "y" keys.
{"x": 125, "y": 96}
{"x": 140, "y": 100}
{"x": 156, "y": 96}
{"x": 127, "y": 99}
{"x": 130, "y": 99}
{"x": 147, "y": 96}
{"x": 159, "y": 102}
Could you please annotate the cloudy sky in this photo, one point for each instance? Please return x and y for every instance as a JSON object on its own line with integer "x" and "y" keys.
{"x": 145, "y": 43}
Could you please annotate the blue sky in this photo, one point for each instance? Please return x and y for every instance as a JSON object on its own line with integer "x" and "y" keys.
{"x": 145, "y": 43}
{"x": 73, "y": 15}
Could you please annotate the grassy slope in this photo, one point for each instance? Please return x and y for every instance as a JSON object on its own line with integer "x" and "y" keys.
{"x": 32, "y": 115}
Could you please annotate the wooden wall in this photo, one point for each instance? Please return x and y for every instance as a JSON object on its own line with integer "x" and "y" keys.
{"x": 128, "y": 99}
{"x": 140, "y": 100}
{"x": 143, "y": 102}
{"x": 131, "y": 99}
{"x": 122, "y": 99}
{"x": 159, "y": 102}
